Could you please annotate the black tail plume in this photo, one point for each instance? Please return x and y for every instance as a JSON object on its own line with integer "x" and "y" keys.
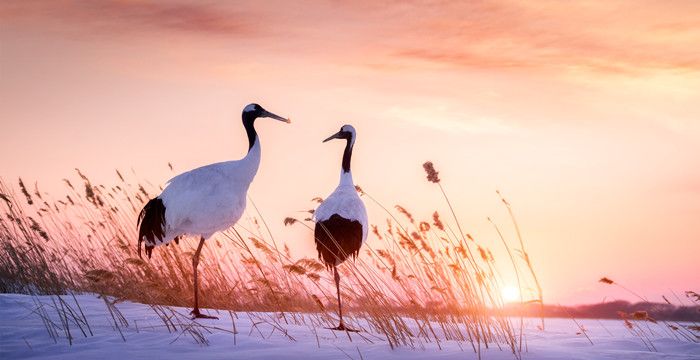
{"x": 151, "y": 224}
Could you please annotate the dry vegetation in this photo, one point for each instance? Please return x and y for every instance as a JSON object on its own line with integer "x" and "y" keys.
{"x": 427, "y": 275}
{"x": 638, "y": 322}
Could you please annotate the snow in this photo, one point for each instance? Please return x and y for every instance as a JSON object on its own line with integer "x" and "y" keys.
{"x": 23, "y": 335}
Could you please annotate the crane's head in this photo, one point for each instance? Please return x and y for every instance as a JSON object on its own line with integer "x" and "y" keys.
{"x": 347, "y": 132}
{"x": 254, "y": 111}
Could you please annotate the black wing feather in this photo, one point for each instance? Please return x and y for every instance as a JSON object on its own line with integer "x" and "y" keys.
{"x": 337, "y": 239}
{"x": 151, "y": 225}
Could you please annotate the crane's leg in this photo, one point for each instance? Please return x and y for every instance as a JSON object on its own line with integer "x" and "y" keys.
{"x": 195, "y": 262}
{"x": 341, "y": 326}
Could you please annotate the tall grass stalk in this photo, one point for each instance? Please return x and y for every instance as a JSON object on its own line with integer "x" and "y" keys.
{"x": 416, "y": 281}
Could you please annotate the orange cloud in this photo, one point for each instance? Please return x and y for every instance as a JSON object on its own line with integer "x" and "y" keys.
{"x": 609, "y": 37}
{"x": 619, "y": 37}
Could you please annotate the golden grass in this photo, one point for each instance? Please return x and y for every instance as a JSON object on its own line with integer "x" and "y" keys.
{"x": 637, "y": 322}
{"x": 414, "y": 282}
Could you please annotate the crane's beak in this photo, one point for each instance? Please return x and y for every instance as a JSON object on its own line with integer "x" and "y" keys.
{"x": 276, "y": 117}
{"x": 334, "y": 136}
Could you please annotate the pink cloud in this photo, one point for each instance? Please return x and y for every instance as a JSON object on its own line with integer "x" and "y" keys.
{"x": 135, "y": 16}
{"x": 627, "y": 37}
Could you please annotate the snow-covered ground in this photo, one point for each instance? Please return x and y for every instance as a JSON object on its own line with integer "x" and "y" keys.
{"x": 24, "y": 335}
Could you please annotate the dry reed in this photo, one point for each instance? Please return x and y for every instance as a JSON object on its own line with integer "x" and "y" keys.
{"x": 415, "y": 281}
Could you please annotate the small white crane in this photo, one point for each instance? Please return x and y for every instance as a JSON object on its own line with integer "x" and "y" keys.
{"x": 203, "y": 201}
{"x": 341, "y": 220}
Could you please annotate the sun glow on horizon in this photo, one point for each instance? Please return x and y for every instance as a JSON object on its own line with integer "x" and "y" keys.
{"x": 510, "y": 293}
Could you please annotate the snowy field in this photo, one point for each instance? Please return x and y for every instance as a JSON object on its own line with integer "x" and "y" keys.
{"x": 24, "y": 335}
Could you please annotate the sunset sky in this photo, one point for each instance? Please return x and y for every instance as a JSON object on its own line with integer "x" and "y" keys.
{"x": 586, "y": 116}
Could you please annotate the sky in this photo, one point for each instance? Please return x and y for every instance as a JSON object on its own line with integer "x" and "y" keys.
{"x": 584, "y": 115}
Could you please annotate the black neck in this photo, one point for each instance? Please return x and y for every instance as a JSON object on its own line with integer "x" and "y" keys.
{"x": 248, "y": 121}
{"x": 347, "y": 155}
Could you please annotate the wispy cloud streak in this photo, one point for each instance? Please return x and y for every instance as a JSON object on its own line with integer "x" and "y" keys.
{"x": 136, "y": 16}
{"x": 625, "y": 37}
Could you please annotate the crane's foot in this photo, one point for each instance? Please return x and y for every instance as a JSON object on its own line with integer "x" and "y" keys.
{"x": 342, "y": 327}
{"x": 197, "y": 315}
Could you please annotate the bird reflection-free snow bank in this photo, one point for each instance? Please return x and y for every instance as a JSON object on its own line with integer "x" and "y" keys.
{"x": 259, "y": 336}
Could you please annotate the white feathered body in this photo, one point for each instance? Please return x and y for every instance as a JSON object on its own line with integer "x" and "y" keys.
{"x": 208, "y": 199}
{"x": 345, "y": 202}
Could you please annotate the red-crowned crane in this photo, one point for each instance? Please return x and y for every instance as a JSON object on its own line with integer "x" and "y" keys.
{"x": 203, "y": 201}
{"x": 341, "y": 220}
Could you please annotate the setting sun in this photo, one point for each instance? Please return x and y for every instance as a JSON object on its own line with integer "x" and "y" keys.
{"x": 510, "y": 293}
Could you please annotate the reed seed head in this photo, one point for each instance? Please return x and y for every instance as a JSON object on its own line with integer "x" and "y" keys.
{"x": 606, "y": 280}
{"x": 437, "y": 222}
{"x": 432, "y": 173}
